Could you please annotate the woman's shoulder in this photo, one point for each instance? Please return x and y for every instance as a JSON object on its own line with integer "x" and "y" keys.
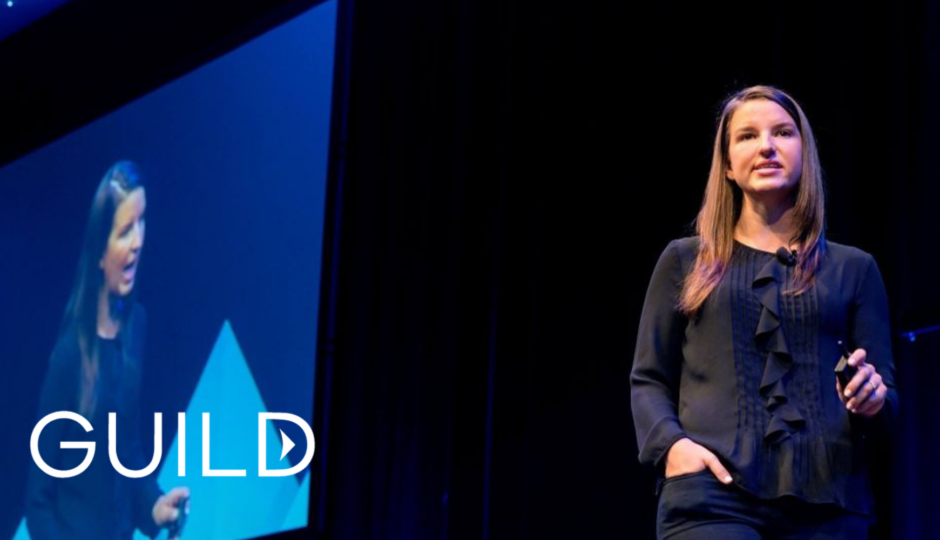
{"x": 138, "y": 315}
{"x": 136, "y": 332}
{"x": 683, "y": 249}
{"x": 685, "y": 246}
{"x": 677, "y": 257}
{"x": 66, "y": 353}
{"x": 849, "y": 266}
{"x": 846, "y": 254}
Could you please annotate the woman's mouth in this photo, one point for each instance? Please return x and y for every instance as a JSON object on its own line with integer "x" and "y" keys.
{"x": 768, "y": 166}
{"x": 130, "y": 271}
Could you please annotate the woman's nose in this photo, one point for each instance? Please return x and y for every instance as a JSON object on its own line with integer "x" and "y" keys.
{"x": 767, "y": 145}
{"x": 137, "y": 240}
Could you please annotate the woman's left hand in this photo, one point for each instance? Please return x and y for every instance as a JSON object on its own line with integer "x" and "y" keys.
{"x": 865, "y": 393}
{"x": 166, "y": 510}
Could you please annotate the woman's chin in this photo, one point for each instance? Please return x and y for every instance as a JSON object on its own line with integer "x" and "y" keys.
{"x": 771, "y": 190}
{"x": 123, "y": 290}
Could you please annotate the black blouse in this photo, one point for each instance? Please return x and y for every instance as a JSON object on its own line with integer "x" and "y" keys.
{"x": 751, "y": 376}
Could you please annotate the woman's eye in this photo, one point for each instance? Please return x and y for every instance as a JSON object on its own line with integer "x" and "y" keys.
{"x": 785, "y": 133}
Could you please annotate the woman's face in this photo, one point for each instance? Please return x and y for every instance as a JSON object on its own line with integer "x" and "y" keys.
{"x": 119, "y": 262}
{"x": 765, "y": 150}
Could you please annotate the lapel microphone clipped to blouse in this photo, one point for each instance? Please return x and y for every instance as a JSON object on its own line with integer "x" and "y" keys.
{"x": 787, "y": 257}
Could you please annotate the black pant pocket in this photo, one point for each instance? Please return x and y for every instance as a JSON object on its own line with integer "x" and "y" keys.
{"x": 686, "y": 476}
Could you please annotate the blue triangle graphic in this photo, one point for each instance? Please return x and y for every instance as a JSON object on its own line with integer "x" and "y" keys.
{"x": 21, "y": 533}
{"x": 229, "y": 508}
{"x": 297, "y": 514}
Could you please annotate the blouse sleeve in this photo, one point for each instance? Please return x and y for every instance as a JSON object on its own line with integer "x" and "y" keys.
{"x": 871, "y": 330}
{"x": 657, "y": 362}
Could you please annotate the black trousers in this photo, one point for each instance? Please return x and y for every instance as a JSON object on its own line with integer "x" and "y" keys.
{"x": 698, "y": 506}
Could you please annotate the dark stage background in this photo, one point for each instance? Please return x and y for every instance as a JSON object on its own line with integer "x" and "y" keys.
{"x": 510, "y": 173}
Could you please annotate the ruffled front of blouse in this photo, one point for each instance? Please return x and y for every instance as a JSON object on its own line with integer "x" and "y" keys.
{"x": 785, "y": 419}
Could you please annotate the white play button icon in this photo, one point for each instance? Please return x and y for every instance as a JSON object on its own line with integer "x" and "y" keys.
{"x": 288, "y": 444}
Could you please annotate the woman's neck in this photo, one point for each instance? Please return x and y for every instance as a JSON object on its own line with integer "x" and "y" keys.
{"x": 766, "y": 226}
{"x": 109, "y": 319}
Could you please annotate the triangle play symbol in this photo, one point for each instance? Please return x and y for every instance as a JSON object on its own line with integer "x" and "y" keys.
{"x": 288, "y": 444}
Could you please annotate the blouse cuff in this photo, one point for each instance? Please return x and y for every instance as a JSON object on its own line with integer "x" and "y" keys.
{"x": 659, "y": 440}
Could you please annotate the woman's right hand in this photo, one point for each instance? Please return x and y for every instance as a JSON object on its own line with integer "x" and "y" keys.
{"x": 687, "y": 457}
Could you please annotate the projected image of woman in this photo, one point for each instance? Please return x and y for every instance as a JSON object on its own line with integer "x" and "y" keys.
{"x": 95, "y": 369}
